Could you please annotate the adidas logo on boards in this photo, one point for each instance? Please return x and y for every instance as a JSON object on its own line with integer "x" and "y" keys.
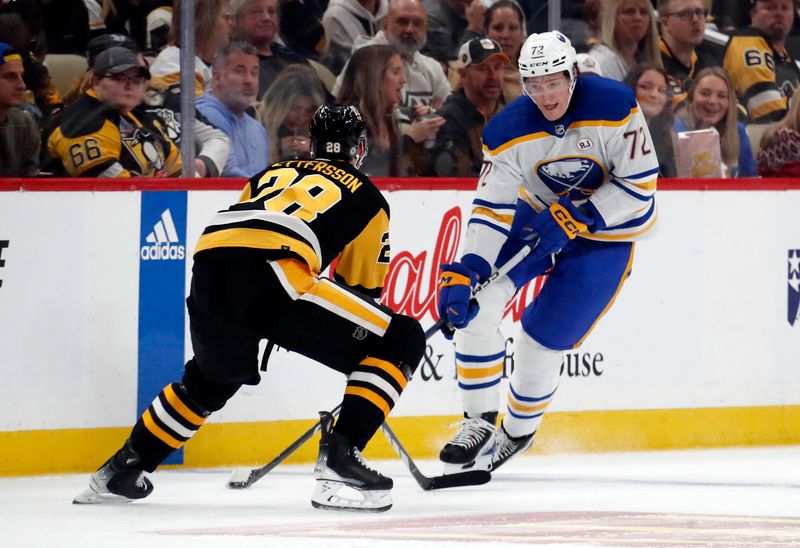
{"x": 162, "y": 242}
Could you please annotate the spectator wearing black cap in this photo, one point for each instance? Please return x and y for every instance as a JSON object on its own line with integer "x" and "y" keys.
{"x": 99, "y": 136}
{"x": 19, "y": 135}
{"x": 763, "y": 73}
{"x": 212, "y": 146}
{"x": 458, "y": 149}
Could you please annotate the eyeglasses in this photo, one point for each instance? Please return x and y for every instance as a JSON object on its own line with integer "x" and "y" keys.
{"x": 124, "y": 80}
{"x": 688, "y": 15}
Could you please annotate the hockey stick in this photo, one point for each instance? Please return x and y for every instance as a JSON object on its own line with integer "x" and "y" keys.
{"x": 244, "y": 477}
{"x": 460, "y": 479}
{"x": 499, "y": 273}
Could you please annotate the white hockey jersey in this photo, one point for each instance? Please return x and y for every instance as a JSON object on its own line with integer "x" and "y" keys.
{"x": 599, "y": 154}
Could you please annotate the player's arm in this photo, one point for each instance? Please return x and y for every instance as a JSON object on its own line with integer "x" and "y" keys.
{"x": 624, "y": 206}
{"x": 488, "y": 228}
{"x": 493, "y": 208}
{"x": 751, "y": 64}
{"x": 364, "y": 262}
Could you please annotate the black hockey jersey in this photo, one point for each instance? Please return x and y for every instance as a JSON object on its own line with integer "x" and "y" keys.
{"x": 314, "y": 211}
{"x": 678, "y": 74}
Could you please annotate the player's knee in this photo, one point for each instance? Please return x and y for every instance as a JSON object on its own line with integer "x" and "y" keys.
{"x": 205, "y": 393}
{"x": 403, "y": 344}
{"x": 534, "y": 360}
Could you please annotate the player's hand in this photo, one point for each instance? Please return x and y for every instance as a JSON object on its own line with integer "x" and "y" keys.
{"x": 456, "y": 307}
{"x": 556, "y": 226}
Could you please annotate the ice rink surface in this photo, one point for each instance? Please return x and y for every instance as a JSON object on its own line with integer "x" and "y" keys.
{"x": 717, "y": 498}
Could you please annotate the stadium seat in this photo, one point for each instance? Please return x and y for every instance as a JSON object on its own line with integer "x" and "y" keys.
{"x": 65, "y": 69}
{"x": 755, "y": 132}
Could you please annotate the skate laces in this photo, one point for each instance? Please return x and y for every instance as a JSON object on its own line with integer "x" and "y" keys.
{"x": 473, "y": 432}
{"x": 507, "y": 446}
{"x": 359, "y": 458}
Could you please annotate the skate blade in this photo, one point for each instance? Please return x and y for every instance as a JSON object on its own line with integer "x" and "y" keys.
{"x": 483, "y": 462}
{"x": 90, "y": 496}
{"x": 326, "y": 496}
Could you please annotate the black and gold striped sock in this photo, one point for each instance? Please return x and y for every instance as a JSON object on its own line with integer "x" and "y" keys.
{"x": 373, "y": 389}
{"x": 166, "y": 425}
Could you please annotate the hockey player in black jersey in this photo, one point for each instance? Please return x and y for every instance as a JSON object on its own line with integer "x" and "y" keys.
{"x": 257, "y": 275}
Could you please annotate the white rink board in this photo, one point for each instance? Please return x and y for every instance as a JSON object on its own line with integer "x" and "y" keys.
{"x": 701, "y": 323}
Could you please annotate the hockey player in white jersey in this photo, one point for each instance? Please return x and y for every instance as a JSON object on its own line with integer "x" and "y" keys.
{"x": 569, "y": 165}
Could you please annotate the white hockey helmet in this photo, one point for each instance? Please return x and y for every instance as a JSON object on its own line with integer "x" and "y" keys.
{"x": 547, "y": 53}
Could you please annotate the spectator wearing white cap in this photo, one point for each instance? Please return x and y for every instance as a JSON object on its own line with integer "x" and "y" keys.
{"x": 458, "y": 149}
{"x": 587, "y": 65}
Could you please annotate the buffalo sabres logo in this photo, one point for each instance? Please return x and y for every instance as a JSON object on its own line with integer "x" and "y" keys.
{"x": 577, "y": 176}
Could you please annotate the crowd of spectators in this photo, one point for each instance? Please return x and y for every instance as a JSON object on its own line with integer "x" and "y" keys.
{"x": 92, "y": 87}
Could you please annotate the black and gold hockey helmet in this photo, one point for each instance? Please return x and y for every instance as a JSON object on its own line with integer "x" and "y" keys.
{"x": 338, "y": 132}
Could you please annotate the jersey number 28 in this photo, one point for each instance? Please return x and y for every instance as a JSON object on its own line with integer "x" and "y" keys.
{"x": 303, "y": 196}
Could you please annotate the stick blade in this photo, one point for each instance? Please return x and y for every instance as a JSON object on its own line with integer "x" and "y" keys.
{"x": 242, "y": 478}
{"x": 461, "y": 479}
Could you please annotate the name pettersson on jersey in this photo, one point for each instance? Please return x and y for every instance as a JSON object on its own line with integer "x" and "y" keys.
{"x": 163, "y": 243}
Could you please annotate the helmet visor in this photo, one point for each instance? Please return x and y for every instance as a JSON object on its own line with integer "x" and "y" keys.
{"x": 543, "y": 85}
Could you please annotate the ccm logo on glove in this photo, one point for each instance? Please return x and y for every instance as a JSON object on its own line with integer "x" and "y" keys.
{"x": 567, "y": 222}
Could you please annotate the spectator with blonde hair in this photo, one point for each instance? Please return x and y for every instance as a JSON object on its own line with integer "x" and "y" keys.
{"x": 213, "y": 22}
{"x": 711, "y": 102}
{"x": 376, "y": 93}
{"x": 628, "y": 36}
{"x": 286, "y": 110}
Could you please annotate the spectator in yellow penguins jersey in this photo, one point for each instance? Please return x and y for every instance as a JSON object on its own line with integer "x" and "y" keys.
{"x": 99, "y": 136}
{"x": 257, "y": 275}
{"x": 762, "y": 71}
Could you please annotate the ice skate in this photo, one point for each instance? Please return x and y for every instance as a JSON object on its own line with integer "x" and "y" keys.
{"x": 508, "y": 446}
{"x": 472, "y": 447}
{"x": 119, "y": 480}
{"x": 344, "y": 481}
